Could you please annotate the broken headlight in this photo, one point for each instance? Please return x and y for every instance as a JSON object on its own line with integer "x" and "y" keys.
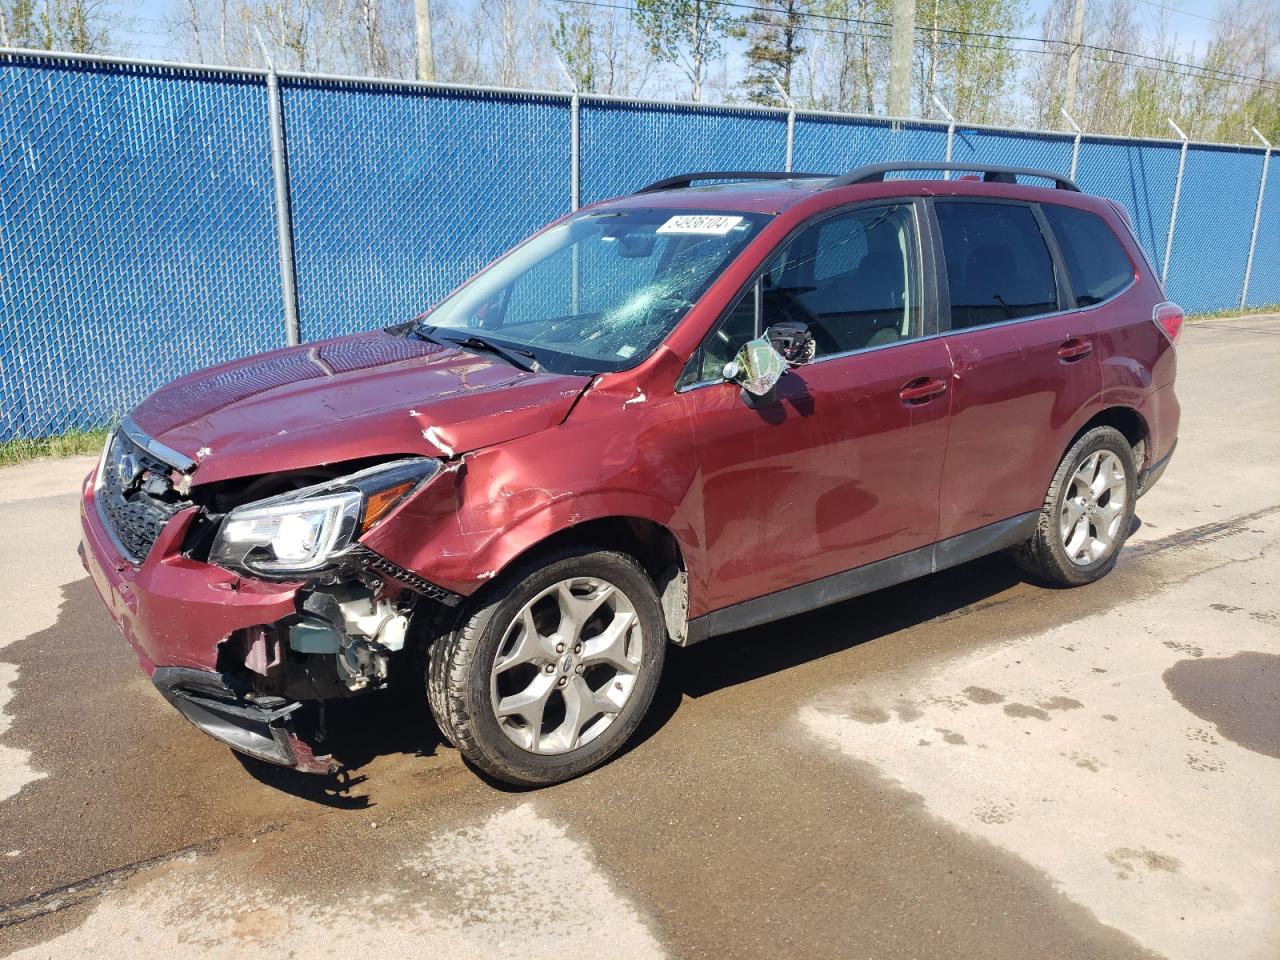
{"x": 303, "y": 530}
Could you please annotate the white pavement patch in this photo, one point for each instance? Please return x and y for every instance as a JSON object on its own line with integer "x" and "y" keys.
{"x": 15, "y": 765}
{"x": 1067, "y": 749}
{"x": 39, "y": 515}
{"x": 514, "y": 885}
{"x": 43, "y": 478}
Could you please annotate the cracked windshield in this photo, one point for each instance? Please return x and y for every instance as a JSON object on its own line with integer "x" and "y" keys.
{"x": 596, "y": 293}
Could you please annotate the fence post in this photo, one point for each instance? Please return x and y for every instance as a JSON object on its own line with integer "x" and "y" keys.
{"x": 1177, "y": 194}
{"x": 575, "y": 152}
{"x": 575, "y": 182}
{"x": 575, "y": 140}
{"x": 284, "y": 209}
{"x": 1075, "y": 146}
{"x": 1257, "y": 218}
{"x": 791, "y": 124}
{"x": 951, "y": 133}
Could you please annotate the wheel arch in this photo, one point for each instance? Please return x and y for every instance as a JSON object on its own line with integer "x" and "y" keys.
{"x": 654, "y": 545}
{"x": 1128, "y": 421}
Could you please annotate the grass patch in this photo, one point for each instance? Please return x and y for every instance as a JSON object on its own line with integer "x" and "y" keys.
{"x": 1228, "y": 314}
{"x": 73, "y": 443}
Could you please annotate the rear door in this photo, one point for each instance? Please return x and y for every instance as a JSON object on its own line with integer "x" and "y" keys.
{"x": 844, "y": 468}
{"x": 1024, "y": 361}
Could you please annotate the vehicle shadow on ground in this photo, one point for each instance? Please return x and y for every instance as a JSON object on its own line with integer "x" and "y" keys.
{"x": 773, "y": 648}
{"x": 357, "y": 732}
{"x": 399, "y": 722}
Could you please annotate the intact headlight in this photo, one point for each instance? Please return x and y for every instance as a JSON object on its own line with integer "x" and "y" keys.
{"x": 305, "y": 530}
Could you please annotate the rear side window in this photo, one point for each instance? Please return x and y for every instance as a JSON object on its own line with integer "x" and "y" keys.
{"x": 1096, "y": 262}
{"x": 998, "y": 264}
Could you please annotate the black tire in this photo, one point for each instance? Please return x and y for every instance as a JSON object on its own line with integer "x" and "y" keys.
{"x": 436, "y": 675}
{"x": 1044, "y": 555}
{"x": 460, "y": 663}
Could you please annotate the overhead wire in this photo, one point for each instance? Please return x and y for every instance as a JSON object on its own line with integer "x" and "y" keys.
{"x": 1163, "y": 64}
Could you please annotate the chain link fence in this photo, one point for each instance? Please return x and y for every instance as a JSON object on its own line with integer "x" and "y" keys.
{"x": 140, "y": 230}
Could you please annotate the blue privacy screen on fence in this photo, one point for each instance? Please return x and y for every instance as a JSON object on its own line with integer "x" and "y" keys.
{"x": 838, "y": 144}
{"x": 399, "y": 195}
{"x": 1264, "y": 283}
{"x": 138, "y": 239}
{"x": 625, "y": 146}
{"x": 1214, "y": 224}
{"x": 1012, "y": 149}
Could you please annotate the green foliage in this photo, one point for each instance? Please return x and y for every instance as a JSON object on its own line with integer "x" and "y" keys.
{"x": 774, "y": 32}
{"x": 973, "y": 76}
{"x": 686, "y": 33}
{"x": 1271, "y": 309}
{"x": 73, "y": 443}
{"x": 572, "y": 40}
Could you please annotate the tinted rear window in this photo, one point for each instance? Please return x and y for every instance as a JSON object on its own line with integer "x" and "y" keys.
{"x": 1096, "y": 262}
{"x": 998, "y": 264}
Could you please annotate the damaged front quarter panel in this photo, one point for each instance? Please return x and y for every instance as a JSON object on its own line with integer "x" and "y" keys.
{"x": 337, "y": 636}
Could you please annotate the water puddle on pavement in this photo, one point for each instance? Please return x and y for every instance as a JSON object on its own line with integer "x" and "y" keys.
{"x": 1239, "y": 695}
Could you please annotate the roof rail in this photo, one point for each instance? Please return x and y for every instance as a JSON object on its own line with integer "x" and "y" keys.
{"x": 874, "y": 173}
{"x": 687, "y": 179}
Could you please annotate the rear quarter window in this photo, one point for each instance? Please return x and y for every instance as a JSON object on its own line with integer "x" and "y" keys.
{"x": 1095, "y": 259}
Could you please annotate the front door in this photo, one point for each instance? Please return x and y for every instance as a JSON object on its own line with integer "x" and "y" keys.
{"x": 844, "y": 467}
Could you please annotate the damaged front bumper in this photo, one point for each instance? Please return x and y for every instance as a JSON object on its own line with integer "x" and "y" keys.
{"x": 239, "y": 656}
{"x": 262, "y": 729}
{"x": 174, "y": 613}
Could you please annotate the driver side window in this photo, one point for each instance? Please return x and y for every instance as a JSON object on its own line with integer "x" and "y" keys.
{"x": 852, "y": 279}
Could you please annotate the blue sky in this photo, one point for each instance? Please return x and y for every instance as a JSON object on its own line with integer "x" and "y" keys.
{"x": 1190, "y": 21}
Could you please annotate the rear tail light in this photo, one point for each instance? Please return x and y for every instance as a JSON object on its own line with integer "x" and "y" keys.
{"x": 1168, "y": 317}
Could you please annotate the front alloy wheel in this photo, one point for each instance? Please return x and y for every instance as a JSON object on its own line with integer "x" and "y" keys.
{"x": 552, "y": 668}
{"x": 567, "y": 666}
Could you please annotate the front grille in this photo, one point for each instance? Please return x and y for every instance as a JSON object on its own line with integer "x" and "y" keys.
{"x": 134, "y": 516}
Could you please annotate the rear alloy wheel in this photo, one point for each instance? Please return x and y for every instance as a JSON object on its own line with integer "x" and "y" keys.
{"x": 552, "y": 674}
{"x": 1092, "y": 508}
{"x": 1087, "y": 513}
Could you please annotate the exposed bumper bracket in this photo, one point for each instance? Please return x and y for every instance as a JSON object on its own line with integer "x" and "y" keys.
{"x": 259, "y": 731}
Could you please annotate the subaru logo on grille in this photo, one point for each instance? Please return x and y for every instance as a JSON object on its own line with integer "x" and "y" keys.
{"x": 129, "y": 470}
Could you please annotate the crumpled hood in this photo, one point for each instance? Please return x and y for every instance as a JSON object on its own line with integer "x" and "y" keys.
{"x": 370, "y": 394}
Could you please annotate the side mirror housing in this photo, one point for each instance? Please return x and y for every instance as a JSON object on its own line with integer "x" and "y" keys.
{"x": 757, "y": 369}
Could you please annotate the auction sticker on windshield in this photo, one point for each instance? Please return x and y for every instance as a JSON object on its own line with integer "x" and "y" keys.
{"x": 701, "y": 224}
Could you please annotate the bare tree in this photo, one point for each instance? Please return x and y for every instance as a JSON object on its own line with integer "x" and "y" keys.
{"x": 603, "y": 51}
{"x": 686, "y": 33}
{"x": 846, "y": 55}
{"x": 79, "y": 26}
{"x": 363, "y": 37}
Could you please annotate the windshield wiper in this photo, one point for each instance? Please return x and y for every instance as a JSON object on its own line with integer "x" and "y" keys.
{"x": 521, "y": 359}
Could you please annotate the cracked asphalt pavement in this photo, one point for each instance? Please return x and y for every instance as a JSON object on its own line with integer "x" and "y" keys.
{"x": 965, "y": 766}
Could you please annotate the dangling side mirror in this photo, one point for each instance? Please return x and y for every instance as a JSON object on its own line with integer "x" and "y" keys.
{"x": 757, "y": 369}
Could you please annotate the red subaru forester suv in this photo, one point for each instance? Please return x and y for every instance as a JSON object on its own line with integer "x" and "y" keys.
{"x": 664, "y": 417}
